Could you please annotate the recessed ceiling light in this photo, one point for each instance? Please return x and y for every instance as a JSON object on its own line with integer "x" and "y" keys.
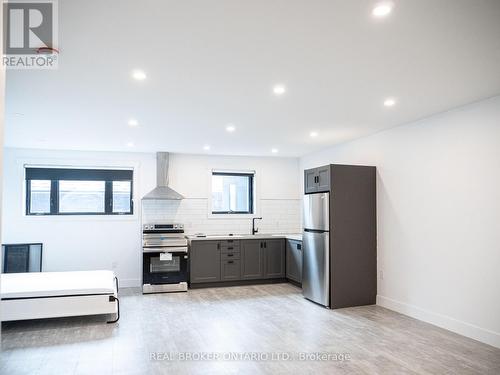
{"x": 206, "y": 147}
{"x": 389, "y": 102}
{"x": 382, "y": 9}
{"x": 279, "y": 90}
{"x": 130, "y": 144}
{"x": 313, "y": 134}
{"x": 274, "y": 150}
{"x": 133, "y": 123}
{"x": 230, "y": 128}
{"x": 138, "y": 75}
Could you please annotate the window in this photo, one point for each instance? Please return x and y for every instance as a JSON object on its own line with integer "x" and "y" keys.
{"x": 81, "y": 196}
{"x": 40, "y": 196}
{"x": 62, "y": 191}
{"x": 232, "y": 193}
{"x": 122, "y": 191}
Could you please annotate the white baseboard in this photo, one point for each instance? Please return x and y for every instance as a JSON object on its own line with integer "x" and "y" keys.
{"x": 129, "y": 283}
{"x": 466, "y": 329}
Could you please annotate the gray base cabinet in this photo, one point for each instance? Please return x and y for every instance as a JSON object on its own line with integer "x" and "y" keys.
{"x": 262, "y": 259}
{"x": 205, "y": 262}
{"x": 252, "y": 260}
{"x": 235, "y": 260}
{"x": 294, "y": 260}
{"x": 274, "y": 259}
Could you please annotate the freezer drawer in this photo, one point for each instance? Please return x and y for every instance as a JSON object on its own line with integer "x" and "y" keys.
{"x": 316, "y": 267}
{"x": 317, "y": 211}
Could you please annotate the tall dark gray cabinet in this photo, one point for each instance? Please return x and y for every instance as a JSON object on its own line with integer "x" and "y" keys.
{"x": 352, "y": 231}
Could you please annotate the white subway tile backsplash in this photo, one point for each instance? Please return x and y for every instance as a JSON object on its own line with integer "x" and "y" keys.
{"x": 278, "y": 216}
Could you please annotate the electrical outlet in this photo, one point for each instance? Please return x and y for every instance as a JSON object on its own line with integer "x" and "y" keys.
{"x": 381, "y": 275}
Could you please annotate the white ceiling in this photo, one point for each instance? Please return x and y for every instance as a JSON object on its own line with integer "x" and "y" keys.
{"x": 210, "y": 63}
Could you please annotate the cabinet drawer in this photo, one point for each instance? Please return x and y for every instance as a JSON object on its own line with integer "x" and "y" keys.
{"x": 230, "y": 247}
{"x": 228, "y": 243}
{"x": 229, "y": 256}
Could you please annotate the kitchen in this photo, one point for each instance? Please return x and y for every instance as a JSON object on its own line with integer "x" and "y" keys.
{"x": 206, "y": 231}
{"x": 231, "y": 187}
{"x": 337, "y": 271}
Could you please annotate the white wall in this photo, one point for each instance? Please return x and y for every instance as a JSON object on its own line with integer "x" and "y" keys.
{"x": 438, "y": 208}
{"x": 96, "y": 242}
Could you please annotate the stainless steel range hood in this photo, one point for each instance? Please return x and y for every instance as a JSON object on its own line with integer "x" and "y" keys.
{"x": 162, "y": 191}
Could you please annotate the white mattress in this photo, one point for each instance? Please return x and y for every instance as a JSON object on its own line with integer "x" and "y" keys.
{"x": 53, "y": 284}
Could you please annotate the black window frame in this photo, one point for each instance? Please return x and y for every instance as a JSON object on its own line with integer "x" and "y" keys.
{"x": 54, "y": 175}
{"x": 251, "y": 177}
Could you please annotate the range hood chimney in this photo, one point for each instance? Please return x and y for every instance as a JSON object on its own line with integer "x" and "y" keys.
{"x": 162, "y": 191}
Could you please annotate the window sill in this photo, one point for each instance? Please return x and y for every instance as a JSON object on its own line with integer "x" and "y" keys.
{"x": 67, "y": 218}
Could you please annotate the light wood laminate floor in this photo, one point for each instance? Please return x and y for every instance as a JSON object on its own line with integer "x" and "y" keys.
{"x": 256, "y": 320}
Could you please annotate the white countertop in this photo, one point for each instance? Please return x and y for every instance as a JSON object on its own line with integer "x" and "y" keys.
{"x": 292, "y": 236}
{"x": 296, "y": 237}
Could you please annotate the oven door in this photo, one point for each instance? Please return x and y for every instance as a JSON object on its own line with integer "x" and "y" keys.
{"x": 165, "y": 267}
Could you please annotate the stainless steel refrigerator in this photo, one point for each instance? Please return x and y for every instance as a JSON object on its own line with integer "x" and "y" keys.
{"x": 316, "y": 248}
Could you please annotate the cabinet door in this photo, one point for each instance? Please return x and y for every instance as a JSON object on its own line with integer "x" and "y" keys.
{"x": 230, "y": 270}
{"x": 274, "y": 251}
{"x": 294, "y": 260}
{"x": 252, "y": 260}
{"x": 310, "y": 181}
{"x": 323, "y": 179}
{"x": 204, "y": 262}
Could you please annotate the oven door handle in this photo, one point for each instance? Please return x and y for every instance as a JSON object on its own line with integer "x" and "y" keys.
{"x": 180, "y": 249}
{"x": 154, "y": 243}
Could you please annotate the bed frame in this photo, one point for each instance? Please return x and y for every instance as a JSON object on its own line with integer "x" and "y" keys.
{"x": 65, "y": 305}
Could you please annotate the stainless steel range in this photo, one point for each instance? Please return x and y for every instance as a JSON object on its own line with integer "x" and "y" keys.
{"x": 164, "y": 258}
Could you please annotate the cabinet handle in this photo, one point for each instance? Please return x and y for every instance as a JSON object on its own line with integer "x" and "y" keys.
{"x": 261, "y": 246}
{"x": 265, "y": 245}
{"x": 230, "y": 248}
{"x": 218, "y": 245}
{"x": 230, "y": 261}
{"x": 230, "y": 255}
